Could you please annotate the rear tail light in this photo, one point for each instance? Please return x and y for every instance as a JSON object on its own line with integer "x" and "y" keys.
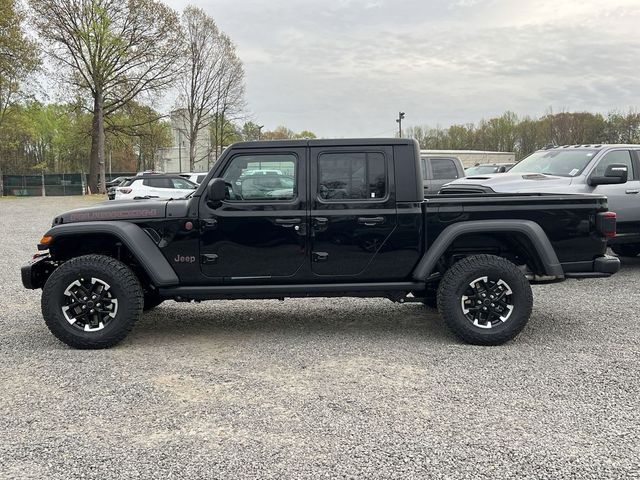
{"x": 606, "y": 224}
{"x": 124, "y": 190}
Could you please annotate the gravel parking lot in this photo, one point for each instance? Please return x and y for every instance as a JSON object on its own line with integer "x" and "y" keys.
{"x": 318, "y": 388}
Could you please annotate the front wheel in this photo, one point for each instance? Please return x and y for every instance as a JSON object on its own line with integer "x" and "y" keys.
{"x": 485, "y": 300}
{"x": 92, "y": 301}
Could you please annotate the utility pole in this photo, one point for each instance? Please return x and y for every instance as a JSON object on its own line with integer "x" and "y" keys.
{"x": 399, "y": 120}
{"x": 260, "y": 127}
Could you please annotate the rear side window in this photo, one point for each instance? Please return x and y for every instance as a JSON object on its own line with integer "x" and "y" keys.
{"x": 352, "y": 176}
{"x": 617, "y": 156}
{"x": 157, "y": 182}
{"x": 443, "y": 169}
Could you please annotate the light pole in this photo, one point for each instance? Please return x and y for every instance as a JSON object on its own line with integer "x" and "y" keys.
{"x": 399, "y": 120}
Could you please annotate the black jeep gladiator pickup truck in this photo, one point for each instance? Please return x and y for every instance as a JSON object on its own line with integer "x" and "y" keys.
{"x": 317, "y": 218}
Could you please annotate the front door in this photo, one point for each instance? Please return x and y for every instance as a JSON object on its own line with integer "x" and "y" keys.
{"x": 353, "y": 210}
{"x": 624, "y": 198}
{"x": 259, "y": 232}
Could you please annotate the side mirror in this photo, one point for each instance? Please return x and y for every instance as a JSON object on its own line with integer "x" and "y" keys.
{"x": 217, "y": 190}
{"x": 615, "y": 173}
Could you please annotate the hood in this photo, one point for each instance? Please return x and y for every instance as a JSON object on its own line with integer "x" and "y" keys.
{"x": 115, "y": 210}
{"x": 515, "y": 182}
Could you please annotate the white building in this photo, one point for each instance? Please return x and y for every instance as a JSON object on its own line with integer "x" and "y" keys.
{"x": 175, "y": 159}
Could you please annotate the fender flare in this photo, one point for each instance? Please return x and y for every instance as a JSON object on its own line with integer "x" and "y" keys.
{"x": 533, "y": 231}
{"x": 134, "y": 238}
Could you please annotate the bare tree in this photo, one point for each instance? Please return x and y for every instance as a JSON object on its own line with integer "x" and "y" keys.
{"x": 212, "y": 82}
{"x": 229, "y": 94}
{"x": 115, "y": 50}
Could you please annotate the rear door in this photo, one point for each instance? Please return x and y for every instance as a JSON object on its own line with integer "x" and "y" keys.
{"x": 353, "y": 209}
{"x": 157, "y": 187}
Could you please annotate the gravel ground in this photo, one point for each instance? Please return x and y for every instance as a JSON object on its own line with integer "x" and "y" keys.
{"x": 318, "y": 388}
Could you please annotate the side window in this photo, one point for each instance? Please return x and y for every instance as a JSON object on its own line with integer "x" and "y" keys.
{"x": 617, "y": 156}
{"x": 443, "y": 169}
{"x": 352, "y": 176}
{"x": 182, "y": 183}
{"x": 261, "y": 177}
{"x": 425, "y": 171}
{"x": 157, "y": 182}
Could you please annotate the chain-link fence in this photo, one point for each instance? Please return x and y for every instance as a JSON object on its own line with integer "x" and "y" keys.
{"x": 48, "y": 184}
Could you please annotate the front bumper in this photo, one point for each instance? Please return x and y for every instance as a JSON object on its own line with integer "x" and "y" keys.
{"x": 35, "y": 273}
{"x": 604, "y": 266}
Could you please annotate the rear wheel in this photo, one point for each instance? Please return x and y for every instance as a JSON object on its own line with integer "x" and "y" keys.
{"x": 92, "y": 301}
{"x": 627, "y": 250}
{"x": 485, "y": 300}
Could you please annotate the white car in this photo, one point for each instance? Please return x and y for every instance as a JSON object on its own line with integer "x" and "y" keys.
{"x": 155, "y": 186}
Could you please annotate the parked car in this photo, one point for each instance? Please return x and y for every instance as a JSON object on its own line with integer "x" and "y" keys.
{"x": 610, "y": 170}
{"x": 111, "y": 190}
{"x": 115, "y": 182}
{"x": 155, "y": 185}
{"x": 102, "y": 265}
{"x": 195, "y": 177}
{"x": 438, "y": 170}
{"x": 482, "y": 168}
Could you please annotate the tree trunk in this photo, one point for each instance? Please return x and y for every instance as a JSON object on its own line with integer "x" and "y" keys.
{"x": 96, "y": 164}
{"x": 192, "y": 151}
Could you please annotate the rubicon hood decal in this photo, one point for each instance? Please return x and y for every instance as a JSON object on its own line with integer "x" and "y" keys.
{"x": 115, "y": 211}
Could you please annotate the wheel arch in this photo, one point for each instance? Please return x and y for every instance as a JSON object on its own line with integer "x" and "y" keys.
{"x": 74, "y": 239}
{"x": 527, "y": 235}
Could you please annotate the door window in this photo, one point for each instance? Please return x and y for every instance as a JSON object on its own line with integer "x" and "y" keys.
{"x": 261, "y": 177}
{"x": 617, "y": 156}
{"x": 443, "y": 169}
{"x": 352, "y": 176}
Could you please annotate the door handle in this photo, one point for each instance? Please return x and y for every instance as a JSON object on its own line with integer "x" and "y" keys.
{"x": 369, "y": 221}
{"x": 209, "y": 223}
{"x": 288, "y": 222}
{"x": 636, "y": 190}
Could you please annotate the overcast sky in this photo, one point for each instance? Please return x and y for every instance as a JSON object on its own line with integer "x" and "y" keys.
{"x": 343, "y": 68}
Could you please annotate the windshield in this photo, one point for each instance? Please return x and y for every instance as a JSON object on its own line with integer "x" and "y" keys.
{"x": 481, "y": 169}
{"x": 564, "y": 163}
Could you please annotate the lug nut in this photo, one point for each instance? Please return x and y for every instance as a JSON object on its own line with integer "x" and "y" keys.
{"x": 493, "y": 304}
{"x": 84, "y": 307}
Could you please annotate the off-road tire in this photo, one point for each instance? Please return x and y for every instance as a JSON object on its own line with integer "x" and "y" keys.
{"x": 457, "y": 281}
{"x": 628, "y": 250}
{"x": 124, "y": 286}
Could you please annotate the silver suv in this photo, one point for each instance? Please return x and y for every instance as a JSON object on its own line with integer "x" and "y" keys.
{"x": 611, "y": 170}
